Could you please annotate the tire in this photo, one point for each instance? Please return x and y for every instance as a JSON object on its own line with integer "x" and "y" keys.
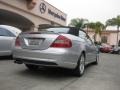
{"x": 80, "y": 69}
{"x": 32, "y": 67}
{"x": 97, "y": 60}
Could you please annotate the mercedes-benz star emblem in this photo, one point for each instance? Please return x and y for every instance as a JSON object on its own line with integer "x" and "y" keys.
{"x": 42, "y": 8}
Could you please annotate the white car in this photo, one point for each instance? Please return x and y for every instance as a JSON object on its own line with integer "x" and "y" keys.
{"x": 116, "y": 49}
{"x": 8, "y": 35}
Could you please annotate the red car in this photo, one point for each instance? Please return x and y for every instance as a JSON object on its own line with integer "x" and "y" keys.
{"x": 105, "y": 48}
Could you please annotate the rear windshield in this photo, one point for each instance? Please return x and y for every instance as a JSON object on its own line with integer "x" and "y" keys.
{"x": 55, "y": 30}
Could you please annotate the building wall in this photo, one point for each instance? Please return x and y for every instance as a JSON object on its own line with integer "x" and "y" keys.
{"x": 91, "y": 35}
{"x": 34, "y": 15}
{"x": 111, "y": 36}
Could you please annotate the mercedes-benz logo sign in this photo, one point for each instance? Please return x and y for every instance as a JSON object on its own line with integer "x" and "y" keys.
{"x": 42, "y": 8}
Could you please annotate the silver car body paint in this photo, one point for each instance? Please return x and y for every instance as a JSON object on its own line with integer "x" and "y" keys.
{"x": 62, "y": 57}
{"x": 7, "y": 42}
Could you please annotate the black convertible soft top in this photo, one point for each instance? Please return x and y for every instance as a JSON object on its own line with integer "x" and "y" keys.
{"x": 72, "y": 30}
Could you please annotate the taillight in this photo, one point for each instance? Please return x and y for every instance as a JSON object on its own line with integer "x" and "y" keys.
{"x": 62, "y": 42}
{"x": 17, "y": 42}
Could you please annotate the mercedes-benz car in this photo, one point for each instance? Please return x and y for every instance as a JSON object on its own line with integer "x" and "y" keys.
{"x": 66, "y": 47}
{"x": 8, "y": 35}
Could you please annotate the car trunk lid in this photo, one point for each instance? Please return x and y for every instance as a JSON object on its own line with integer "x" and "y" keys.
{"x": 37, "y": 41}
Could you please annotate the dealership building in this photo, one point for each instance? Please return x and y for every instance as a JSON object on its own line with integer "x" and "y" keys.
{"x": 29, "y": 14}
{"x": 108, "y": 36}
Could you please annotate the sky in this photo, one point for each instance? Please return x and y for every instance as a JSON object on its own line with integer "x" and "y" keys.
{"x": 93, "y": 10}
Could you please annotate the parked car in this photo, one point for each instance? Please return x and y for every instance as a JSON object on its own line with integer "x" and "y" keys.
{"x": 116, "y": 50}
{"x": 65, "y": 47}
{"x": 8, "y": 35}
{"x": 105, "y": 48}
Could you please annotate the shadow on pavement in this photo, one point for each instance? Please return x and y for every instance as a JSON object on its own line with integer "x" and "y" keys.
{"x": 46, "y": 72}
{"x": 50, "y": 72}
{"x": 6, "y": 58}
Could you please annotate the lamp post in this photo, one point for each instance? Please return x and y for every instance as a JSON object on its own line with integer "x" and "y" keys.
{"x": 87, "y": 28}
{"x": 117, "y": 35}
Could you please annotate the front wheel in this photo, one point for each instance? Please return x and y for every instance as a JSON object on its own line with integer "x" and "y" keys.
{"x": 79, "y": 71}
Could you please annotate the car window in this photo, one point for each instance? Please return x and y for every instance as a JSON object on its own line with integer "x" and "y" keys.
{"x": 10, "y": 33}
{"x": 89, "y": 41}
{"x": 82, "y": 34}
{"x": 4, "y": 32}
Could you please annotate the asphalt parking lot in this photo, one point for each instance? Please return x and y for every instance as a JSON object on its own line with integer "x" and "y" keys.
{"x": 105, "y": 76}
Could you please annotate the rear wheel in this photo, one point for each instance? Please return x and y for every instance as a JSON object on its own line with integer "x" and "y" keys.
{"x": 32, "y": 67}
{"x": 79, "y": 71}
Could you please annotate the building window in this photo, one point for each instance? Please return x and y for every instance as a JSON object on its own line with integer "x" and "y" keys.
{"x": 104, "y": 39}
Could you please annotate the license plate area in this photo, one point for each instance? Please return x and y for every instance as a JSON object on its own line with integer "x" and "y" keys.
{"x": 34, "y": 41}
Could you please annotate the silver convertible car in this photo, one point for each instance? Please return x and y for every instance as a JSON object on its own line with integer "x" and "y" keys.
{"x": 66, "y": 47}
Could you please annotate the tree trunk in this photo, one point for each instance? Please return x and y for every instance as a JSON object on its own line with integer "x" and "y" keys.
{"x": 94, "y": 38}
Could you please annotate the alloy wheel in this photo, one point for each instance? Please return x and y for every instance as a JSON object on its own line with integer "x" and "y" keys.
{"x": 82, "y": 65}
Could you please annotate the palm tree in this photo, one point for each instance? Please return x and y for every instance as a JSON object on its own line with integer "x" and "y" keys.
{"x": 98, "y": 27}
{"x": 114, "y": 22}
{"x": 79, "y": 23}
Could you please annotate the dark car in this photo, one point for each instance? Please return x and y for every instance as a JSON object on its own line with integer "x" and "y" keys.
{"x": 105, "y": 48}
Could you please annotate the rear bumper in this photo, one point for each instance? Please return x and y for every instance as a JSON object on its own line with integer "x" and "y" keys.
{"x": 20, "y": 61}
{"x": 50, "y": 57}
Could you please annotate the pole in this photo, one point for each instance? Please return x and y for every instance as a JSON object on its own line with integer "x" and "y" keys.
{"x": 117, "y": 35}
{"x": 87, "y": 28}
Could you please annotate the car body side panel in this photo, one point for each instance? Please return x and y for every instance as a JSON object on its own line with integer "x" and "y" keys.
{"x": 6, "y": 45}
{"x": 90, "y": 52}
{"x": 83, "y": 45}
